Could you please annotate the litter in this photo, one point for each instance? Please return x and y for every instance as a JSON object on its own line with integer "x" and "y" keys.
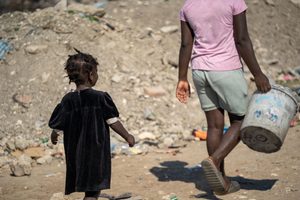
{"x": 5, "y": 47}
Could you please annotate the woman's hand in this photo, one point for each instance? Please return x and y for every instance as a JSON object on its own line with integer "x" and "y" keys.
{"x": 262, "y": 83}
{"x": 183, "y": 91}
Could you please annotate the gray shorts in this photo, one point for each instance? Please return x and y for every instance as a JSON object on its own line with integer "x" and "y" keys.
{"x": 222, "y": 89}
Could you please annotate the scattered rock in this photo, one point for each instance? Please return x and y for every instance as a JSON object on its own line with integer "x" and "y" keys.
{"x": 21, "y": 143}
{"x": 169, "y": 29}
{"x": 168, "y": 142}
{"x": 47, "y": 159}
{"x": 61, "y": 5}
{"x": 155, "y": 91}
{"x": 34, "y": 49}
{"x": 22, "y": 166}
{"x": 23, "y": 99}
{"x": 11, "y": 145}
{"x": 274, "y": 174}
{"x": 149, "y": 115}
{"x": 173, "y": 63}
{"x": 58, "y": 196}
{"x": 147, "y": 135}
{"x": 4, "y": 160}
{"x": 45, "y": 77}
{"x": 116, "y": 78}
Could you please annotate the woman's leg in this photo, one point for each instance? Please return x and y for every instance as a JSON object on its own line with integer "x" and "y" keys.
{"x": 229, "y": 140}
{"x": 215, "y": 122}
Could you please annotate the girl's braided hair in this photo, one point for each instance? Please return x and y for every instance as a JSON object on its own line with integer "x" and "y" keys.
{"x": 78, "y": 66}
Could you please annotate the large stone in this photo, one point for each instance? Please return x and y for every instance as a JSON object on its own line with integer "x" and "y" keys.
{"x": 22, "y": 166}
{"x": 21, "y": 143}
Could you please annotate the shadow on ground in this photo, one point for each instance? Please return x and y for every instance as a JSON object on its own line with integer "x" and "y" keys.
{"x": 180, "y": 171}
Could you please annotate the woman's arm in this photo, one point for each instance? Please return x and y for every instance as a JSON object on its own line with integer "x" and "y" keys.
{"x": 187, "y": 39}
{"x": 245, "y": 49}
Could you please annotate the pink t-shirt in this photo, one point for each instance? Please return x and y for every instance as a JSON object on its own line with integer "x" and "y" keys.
{"x": 212, "y": 23}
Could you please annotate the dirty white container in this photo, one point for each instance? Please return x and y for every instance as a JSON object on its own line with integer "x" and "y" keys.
{"x": 268, "y": 119}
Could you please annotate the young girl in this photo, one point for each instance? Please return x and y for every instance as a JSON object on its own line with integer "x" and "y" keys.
{"x": 214, "y": 37}
{"x": 85, "y": 116}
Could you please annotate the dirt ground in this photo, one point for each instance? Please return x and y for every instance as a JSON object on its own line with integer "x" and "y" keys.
{"x": 136, "y": 51}
{"x": 158, "y": 174}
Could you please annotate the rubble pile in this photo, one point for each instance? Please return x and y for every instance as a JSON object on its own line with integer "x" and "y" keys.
{"x": 138, "y": 67}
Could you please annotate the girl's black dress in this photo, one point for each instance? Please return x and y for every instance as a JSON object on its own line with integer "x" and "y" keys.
{"x": 82, "y": 116}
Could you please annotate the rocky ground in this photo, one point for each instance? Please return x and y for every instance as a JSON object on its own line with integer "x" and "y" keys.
{"x": 136, "y": 43}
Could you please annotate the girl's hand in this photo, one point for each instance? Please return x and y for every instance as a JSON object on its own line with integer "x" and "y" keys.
{"x": 54, "y": 137}
{"x": 183, "y": 91}
{"x": 130, "y": 140}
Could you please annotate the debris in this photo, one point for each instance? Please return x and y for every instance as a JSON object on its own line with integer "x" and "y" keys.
{"x": 5, "y": 47}
{"x": 198, "y": 133}
{"x": 170, "y": 197}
